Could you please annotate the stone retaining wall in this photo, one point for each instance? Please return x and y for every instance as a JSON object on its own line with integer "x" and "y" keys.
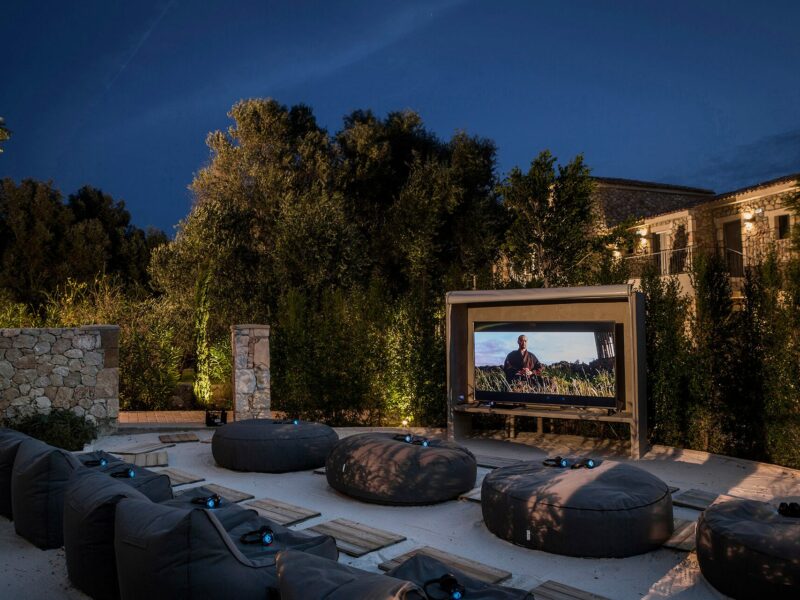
{"x": 73, "y": 368}
{"x": 251, "y": 380}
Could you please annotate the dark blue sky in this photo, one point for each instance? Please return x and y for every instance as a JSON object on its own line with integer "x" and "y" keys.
{"x": 121, "y": 95}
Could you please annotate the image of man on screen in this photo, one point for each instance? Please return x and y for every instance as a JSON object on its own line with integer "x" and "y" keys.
{"x": 521, "y": 365}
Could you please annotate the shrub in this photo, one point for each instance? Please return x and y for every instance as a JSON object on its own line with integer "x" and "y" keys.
{"x": 150, "y": 359}
{"x": 61, "y": 428}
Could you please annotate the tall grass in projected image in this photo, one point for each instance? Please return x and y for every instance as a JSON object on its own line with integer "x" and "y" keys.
{"x": 570, "y": 362}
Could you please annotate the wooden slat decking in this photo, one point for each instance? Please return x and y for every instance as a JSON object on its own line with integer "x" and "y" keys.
{"x": 354, "y": 538}
{"x": 281, "y": 512}
{"x": 177, "y": 477}
{"x": 178, "y": 438}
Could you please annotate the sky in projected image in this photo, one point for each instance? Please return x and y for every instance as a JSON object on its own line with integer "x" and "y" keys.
{"x": 492, "y": 347}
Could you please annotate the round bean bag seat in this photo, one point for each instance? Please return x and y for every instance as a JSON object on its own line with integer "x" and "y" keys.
{"x": 272, "y": 446}
{"x": 747, "y": 550}
{"x": 379, "y": 468}
{"x": 611, "y": 511}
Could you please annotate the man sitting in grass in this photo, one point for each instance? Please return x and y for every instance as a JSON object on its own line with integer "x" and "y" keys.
{"x": 521, "y": 365}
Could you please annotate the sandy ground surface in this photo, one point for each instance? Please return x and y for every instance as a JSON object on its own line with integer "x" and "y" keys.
{"x": 456, "y": 527}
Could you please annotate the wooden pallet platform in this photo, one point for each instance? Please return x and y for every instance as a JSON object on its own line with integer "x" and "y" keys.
{"x": 552, "y": 590}
{"x": 354, "y": 538}
{"x": 465, "y": 565}
{"x": 227, "y": 493}
{"x": 178, "y": 438}
{"x": 683, "y": 537}
{"x": 697, "y": 499}
{"x": 158, "y": 458}
{"x": 141, "y": 448}
{"x": 177, "y": 477}
{"x": 495, "y": 462}
{"x": 281, "y": 512}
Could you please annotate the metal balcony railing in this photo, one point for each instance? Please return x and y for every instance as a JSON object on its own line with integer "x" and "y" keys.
{"x": 666, "y": 262}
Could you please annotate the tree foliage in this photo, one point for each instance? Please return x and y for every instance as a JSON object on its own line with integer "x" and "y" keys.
{"x": 45, "y": 241}
{"x": 5, "y": 133}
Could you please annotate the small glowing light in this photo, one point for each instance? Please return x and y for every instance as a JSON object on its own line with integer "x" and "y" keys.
{"x": 267, "y": 538}
{"x": 563, "y": 463}
{"x": 642, "y": 232}
{"x": 405, "y": 422}
{"x": 748, "y": 216}
{"x": 296, "y": 421}
{"x": 103, "y": 462}
{"x": 210, "y": 503}
{"x": 616, "y": 254}
{"x": 590, "y": 463}
{"x": 408, "y": 438}
{"x": 426, "y": 443}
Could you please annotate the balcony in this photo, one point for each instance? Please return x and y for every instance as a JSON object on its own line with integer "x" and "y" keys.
{"x": 666, "y": 262}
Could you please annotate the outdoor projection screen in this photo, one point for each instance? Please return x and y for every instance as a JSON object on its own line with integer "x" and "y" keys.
{"x": 564, "y": 363}
{"x": 589, "y": 349}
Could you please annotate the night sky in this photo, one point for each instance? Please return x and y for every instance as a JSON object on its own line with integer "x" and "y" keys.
{"x": 121, "y": 95}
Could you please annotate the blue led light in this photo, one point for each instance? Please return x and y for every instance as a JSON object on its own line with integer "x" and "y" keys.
{"x": 456, "y": 596}
{"x": 590, "y": 463}
{"x": 210, "y": 503}
{"x": 563, "y": 463}
{"x": 408, "y": 438}
{"x": 131, "y": 473}
{"x": 425, "y": 443}
{"x": 267, "y": 539}
{"x": 103, "y": 462}
{"x": 296, "y": 422}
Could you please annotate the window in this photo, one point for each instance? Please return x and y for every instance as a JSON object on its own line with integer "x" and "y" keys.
{"x": 782, "y": 227}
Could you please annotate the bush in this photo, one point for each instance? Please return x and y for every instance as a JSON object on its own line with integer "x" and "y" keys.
{"x": 61, "y": 428}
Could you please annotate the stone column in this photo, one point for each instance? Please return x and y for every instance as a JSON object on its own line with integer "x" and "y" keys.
{"x": 251, "y": 395}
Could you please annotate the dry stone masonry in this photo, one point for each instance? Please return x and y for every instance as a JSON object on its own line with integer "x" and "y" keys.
{"x": 251, "y": 395}
{"x": 75, "y": 368}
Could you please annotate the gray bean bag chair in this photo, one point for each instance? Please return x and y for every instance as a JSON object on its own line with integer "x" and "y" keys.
{"x": 38, "y": 481}
{"x": 90, "y": 502}
{"x": 611, "y": 511}
{"x": 272, "y": 445}
{"x": 380, "y": 468}
{"x": 155, "y": 486}
{"x": 97, "y": 459}
{"x": 302, "y": 576}
{"x": 427, "y": 572}
{"x": 10, "y": 440}
{"x": 166, "y": 551}
{"x": 747, "y": 550}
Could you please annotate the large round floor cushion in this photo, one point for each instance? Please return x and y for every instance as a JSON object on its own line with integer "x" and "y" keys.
{"x": 378, "y": 467}
{"x": 272, "y": 445}
{"x": 747, "y": 550}
{"x": 613, "y": 510}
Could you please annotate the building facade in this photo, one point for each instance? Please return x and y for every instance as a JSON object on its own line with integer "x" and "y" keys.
{"x": 674, "y": 224}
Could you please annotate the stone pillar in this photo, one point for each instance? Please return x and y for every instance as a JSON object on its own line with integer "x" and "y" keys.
{"x": 251, "y": 396}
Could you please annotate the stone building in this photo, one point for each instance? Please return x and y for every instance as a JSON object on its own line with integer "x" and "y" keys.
{"x": 675, "y": 223}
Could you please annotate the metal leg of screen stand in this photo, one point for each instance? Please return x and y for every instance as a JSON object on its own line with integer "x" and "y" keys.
{"x": 511, "y": 426}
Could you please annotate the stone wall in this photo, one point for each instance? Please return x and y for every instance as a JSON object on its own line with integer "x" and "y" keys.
{"x": 251, "y": 391}
{"x": 73, "y": 368}
{"x": 619, "y": 202}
